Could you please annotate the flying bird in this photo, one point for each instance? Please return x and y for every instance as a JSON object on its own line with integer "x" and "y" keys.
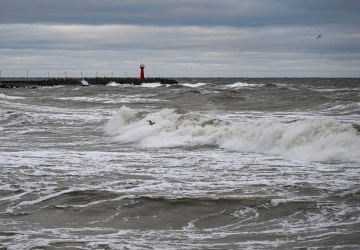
{"x": 319, "y": 36}
{"x": 150, "y": 122}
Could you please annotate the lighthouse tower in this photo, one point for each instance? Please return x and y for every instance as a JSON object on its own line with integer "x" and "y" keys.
{"x": 142, "y": 75}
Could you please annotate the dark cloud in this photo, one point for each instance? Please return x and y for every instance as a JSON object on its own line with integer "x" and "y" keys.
{"x": 236, "y": 13}
{"x": 181, "y": 38}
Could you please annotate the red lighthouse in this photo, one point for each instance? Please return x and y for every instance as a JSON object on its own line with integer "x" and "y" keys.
{"x": 142, "y": 75}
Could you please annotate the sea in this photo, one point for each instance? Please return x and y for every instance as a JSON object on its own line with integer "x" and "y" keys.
{"x": 228, "y": 163}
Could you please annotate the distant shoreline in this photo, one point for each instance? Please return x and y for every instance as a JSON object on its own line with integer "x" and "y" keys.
{"x": 35, "y": 82}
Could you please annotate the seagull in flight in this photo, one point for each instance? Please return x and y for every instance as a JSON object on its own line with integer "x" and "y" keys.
{"x": 319, "y": 36}
{"x": 150, "y": 122}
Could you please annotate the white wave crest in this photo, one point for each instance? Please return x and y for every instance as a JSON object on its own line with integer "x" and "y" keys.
{"x": 151, "y": 85}
{"x": 195, "y": 85}
{"x": 3, "y": 96}
{"x": 84, "y": 82}
{"x": 113, "y": 84}
{"x": 305, "y": 140}
{"x": 241, "y": 85}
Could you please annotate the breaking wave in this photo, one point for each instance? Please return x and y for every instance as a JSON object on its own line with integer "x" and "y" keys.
{"x": 195, "y": 85}
{"x": 84, "y": 82}
{"x": 320, "y": 140}
{"x": 241, "y": 85}
{"x": 151, "y": 85}
{"x": 145, "y": 85}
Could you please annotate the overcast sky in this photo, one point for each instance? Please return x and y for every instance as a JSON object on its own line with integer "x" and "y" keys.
{"x": 183, "y": 38}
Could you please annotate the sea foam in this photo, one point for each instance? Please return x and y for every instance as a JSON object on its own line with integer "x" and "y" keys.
{"x": 320, "y": 140}
{"x": 195, "y": 85}
{"x": 241, "y": 85}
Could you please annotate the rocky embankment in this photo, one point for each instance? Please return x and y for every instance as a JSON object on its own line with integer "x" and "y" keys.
{"x": 33, "y": 83}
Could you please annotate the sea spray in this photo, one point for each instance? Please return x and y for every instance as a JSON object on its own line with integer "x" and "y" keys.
{"x": 84, "y": 82}
{"x": 319, "y": 140}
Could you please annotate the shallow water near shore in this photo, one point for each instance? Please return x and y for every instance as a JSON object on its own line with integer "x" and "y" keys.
{"x": 229, "y": 164}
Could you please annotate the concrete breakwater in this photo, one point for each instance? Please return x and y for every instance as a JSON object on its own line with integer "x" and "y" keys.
{"x": 34, "y": 82}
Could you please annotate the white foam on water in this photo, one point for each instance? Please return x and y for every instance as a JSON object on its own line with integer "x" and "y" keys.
{"x": 114, "y": 98}
{"x": 246, "y": 213}
{"x": 151, "y": 85}
{"x": 343, "y": 109}
{"x": 258, "y": 156}
{"x": 241, "y": 85}
{"x": 44, "y": 198}
{"x": 7, "y": 187}
{"x": 335, "y": 89}
{"x": 171, "y": 173}
{"x": 145, "y": 85}
{"x": 319, "y": 140}
{"x": 195, "y": 85}
{"x": 9, "y": 97}
{"x": 115, "y": 84}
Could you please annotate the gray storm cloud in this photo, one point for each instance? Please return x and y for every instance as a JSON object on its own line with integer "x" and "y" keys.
{"x": 255, "y": 13}
{"x": 181, "y": 38}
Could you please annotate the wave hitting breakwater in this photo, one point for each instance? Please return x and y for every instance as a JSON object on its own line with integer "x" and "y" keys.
{"x": 16, "y": 83}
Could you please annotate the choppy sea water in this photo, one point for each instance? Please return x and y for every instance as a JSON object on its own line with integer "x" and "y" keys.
{"x": 228, "y": 164}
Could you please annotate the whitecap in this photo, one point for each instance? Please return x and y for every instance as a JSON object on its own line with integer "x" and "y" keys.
{"x": 241, "y": 85}
{"x": 3, "y": 96}
{"x": 113, "y": 84}
{"x": 151, "y": 85}
{"x": 84, "y": 82}
{"x": 319, "y": 140}
{"x": 195, "y": 85}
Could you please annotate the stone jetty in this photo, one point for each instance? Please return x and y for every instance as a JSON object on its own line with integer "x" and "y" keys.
{"x": 36, "y": 82}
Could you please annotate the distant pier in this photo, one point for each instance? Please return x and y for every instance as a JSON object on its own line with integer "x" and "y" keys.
{"x": 35, "y": 82}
